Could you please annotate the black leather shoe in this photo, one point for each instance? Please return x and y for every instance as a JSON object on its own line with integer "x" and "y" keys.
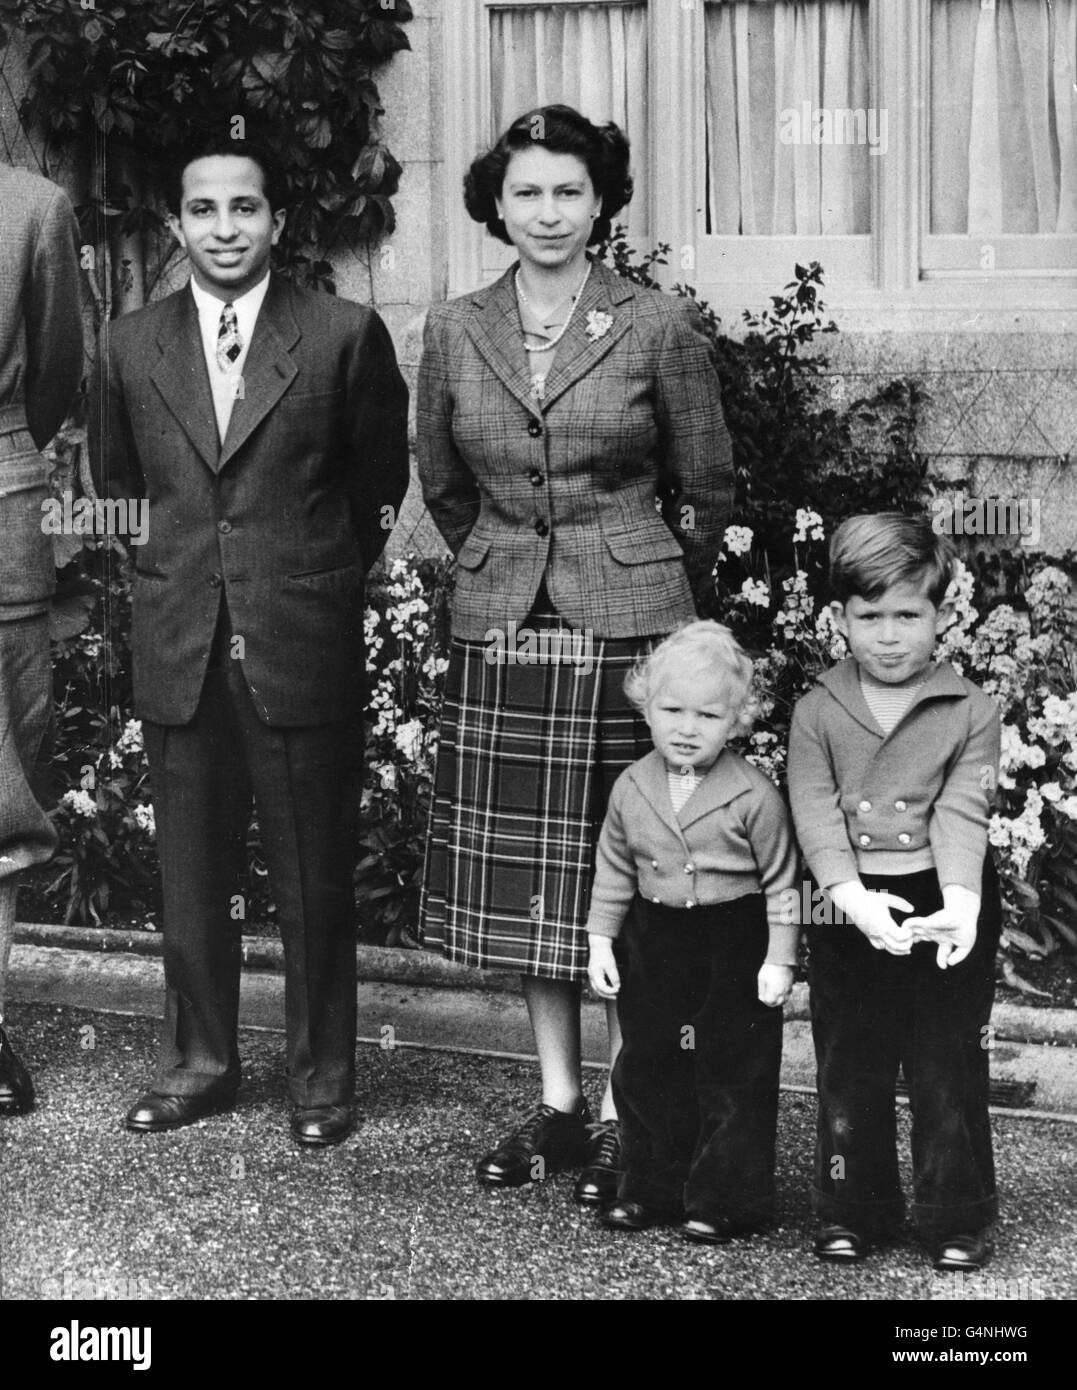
{"x": 630, "y": 1216}
{"x": 701, "y": 1232}
{"x": 968, "y": 1253}
{"x": 597, "y": 1184}
{"x": 839, "y": 1243}
{"x": 317, "y": 1125}
{"x": 547, "y": 1140}
{"x": 154, "y": 1112}
{"x": 16, "y": 1087}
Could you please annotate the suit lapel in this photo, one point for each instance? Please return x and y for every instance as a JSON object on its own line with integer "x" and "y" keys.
{"x": 650, "y": 777}
{"x": 268, "y": 370}
{"x": 723, "y": 783}
{"x": 180, "y": 376}
{"x": 605, "y": 293}
{"x": 495, "y": 331}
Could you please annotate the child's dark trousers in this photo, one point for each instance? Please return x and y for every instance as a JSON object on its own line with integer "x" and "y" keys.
{"x": 696, "y": 1081}
{"x": 872, "y": 1011}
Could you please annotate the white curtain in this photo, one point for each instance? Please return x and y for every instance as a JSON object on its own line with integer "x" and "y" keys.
{"x": 778, "y": 72}
{"x": 1003, "y": 116}
{"x": 592, "y": 57}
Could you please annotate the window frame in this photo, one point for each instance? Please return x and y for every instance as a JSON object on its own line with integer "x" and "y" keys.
{"x": 898, "y": 276}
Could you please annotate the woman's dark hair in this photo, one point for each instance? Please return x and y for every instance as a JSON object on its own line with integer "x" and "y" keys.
{"x": 561, "y": 130}
{"x": 273, "y": 184}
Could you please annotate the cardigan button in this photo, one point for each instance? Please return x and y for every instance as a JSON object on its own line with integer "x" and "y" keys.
{"x": 689, "y": 903}
{"x": 654, "y": 863}
{"x": 689, "y": 868}
{"x": 904, "y": 839}
{"x": 864, "y": 806}
{"x": 901, "y": 805}
{"x": 865, "y": 839}
{"x": 656, "y": 900}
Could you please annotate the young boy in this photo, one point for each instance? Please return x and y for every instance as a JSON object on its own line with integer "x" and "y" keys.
{"x": 695, "y": 861}
{"x": 892, "y": 762}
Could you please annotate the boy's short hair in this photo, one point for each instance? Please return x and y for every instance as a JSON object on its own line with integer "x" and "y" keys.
{"x": 699, "y": 645}
{"x": 869, "y": 554}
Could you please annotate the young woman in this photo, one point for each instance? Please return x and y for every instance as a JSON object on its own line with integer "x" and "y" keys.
{"x": 555, "y": 407}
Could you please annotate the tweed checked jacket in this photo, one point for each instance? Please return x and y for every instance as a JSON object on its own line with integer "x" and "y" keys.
{"x": 40, "y": 318}
{"x": 565, "y": 488}
{"x": 863, "y": 800}
{"x": 282, "y": 519}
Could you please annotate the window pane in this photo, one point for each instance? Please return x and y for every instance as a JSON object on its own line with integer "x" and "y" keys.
{"x": 790, "y": 132}
{"x": 592, "y": 57}
{"x": 1003, "y": 117}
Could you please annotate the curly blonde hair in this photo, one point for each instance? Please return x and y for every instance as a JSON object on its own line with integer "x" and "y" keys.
{"x": 700, "y": 645}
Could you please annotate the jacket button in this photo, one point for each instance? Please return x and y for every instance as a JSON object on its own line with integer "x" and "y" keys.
{"x": 864, "y": 806}
{"x": 865, "y": 839}
{"x": 901, "y": 805}
{"x": 537, "y": 478}
{"x": 534, "y": 429}
{"x": 904, "y": 839}
{"x": 542, "y": 527}
{"x": 689, "y": 868}
{"x": 224, "y": 527}
{"x": 654, "y": 863}
{"x": 689, "y": 903}
{"x": 656, "y": 900}
{"x": 215, "y": 581}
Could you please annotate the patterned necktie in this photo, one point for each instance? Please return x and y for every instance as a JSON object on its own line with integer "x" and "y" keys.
{"x": 229, "y": 343}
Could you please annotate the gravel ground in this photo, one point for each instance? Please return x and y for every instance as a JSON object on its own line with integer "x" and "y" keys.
{"x": 231, "y": 1209}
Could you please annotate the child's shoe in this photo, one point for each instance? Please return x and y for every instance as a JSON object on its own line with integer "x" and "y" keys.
{"x": 631, "y": 1216}
{"x": 838, "y": 1243}
{"x": 597, "y": 1184}
{"x": 963, "y": 1252}
{"x": 718, "y": 1232}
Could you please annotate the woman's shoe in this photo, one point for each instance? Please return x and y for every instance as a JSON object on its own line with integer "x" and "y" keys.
{"x": 597, "y": 1184}
{"x": 546, "y": 1141}
{"x": 838, "y": 1243}
{"x": 16, "y": 1087}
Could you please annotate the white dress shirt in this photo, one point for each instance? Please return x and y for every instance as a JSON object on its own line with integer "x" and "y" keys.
{"x": 226, "y": 386}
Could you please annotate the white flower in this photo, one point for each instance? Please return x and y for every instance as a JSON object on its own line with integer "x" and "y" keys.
{"x": 387, "y": 776}
{"x": 809, "y": 526}
{"x": 409, "y": 739}
{"x": 1051, "y": 791}
{"x": 755, "y": 591}
{"x": 598, "y": 324}
{"x": 1068, "y": 807}
{"x": 145, "y": 820}
{"x": 737, "y": 540}
{"x": 130, "y": 741}
{"x": 82, "y": 803}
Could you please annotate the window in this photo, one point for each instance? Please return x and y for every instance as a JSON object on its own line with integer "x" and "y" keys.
{"x": 921, "y": 150}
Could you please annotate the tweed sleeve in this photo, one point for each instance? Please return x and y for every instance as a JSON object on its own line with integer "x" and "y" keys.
{"x": 449, "y": 488}
{"x": 53, "y": 321}
{"x": 697, "y": 454}
{"x": 815, "y": 799}
{"x": 770, "y": 834}
{"x": 615, "y": 872}
{"x": 957, "y": 828}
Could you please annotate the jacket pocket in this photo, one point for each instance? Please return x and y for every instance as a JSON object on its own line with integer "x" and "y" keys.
{"x": 643, "y": 544}
{"x": 339, "y": 576}
{"x": 472, "y": 554}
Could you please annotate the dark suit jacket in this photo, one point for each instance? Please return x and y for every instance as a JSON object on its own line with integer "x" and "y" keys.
{"x": 566, "y": 488}
{"x": 284, "y": 518}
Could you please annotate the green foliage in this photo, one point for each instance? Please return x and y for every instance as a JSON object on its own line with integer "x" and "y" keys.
{"x": 146, "y": 78}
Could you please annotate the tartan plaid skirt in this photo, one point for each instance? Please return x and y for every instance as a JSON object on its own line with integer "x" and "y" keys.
{"x": 528, "y": 754}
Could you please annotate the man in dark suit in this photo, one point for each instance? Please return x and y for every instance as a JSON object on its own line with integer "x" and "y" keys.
{"x": 266, "y": 427}
{"x": 40, "y": 370}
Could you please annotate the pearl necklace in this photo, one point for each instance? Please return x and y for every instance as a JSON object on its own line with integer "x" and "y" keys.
{"x": 549, "y": 347}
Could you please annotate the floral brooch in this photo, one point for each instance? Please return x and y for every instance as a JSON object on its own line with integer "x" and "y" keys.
{"x": 598, "y": 324}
